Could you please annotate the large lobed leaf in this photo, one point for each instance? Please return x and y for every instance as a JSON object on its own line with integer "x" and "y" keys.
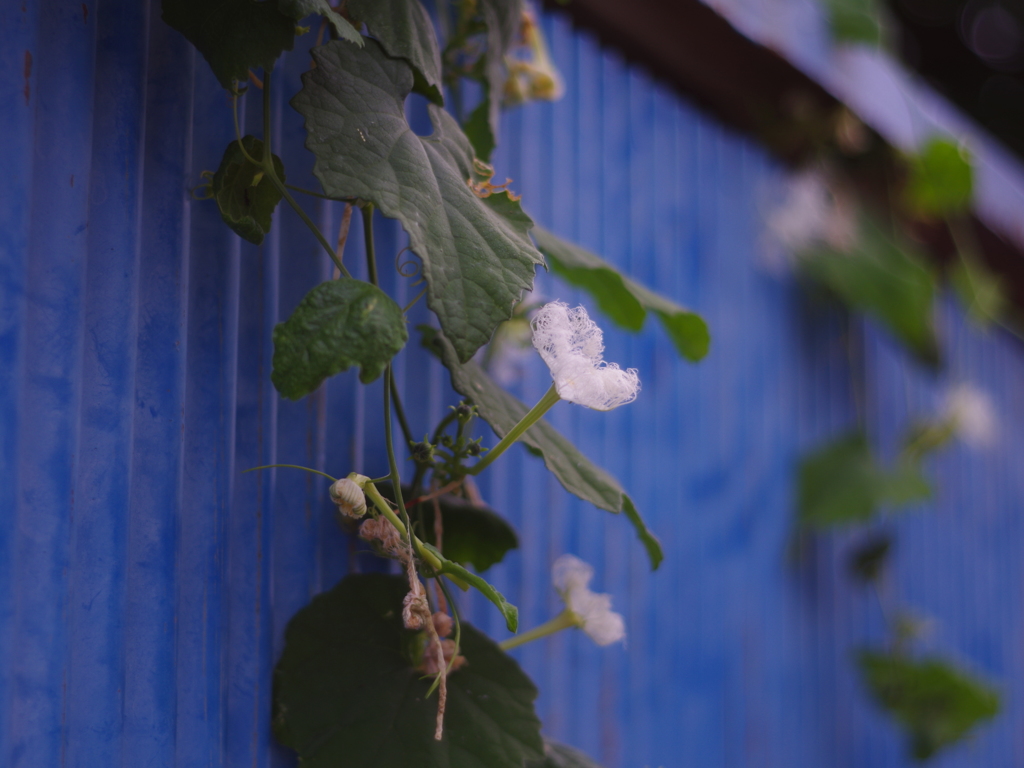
{"x": 884, "y": 279}
{"x": 933, "y": 701}
{"x": 624, "y": 301}
{"x": 574, "y": 471}
{"x": 338, "y": 324}
{"x": 477, "y": 256}
{"x": 346, "y": 691}
{"x": 405, "y": 31}
{"x": 841, "y": 484}
{"x": 245, "y": 196}
{"x": 232, "y": 35}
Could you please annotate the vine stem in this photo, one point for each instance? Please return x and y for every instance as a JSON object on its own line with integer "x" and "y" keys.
{"x": 532, "y": 417}
{"x": 564, "y": 620}
{"x": 271, "y": 172}
{"x": 371, "y": 256}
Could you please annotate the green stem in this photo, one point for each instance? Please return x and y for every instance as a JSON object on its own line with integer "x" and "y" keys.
{"x": 400, "y": 413}
{"x": 371, "y": 257}
{"x": 564, "y": 620}
{"x": 271, "y": 173}
{"x": 404, "y": 526}
{"x": 291, "y": 466}
{"x": 543, "y": 406}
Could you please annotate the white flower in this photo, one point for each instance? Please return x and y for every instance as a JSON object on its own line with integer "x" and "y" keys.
{"x": 593, "y": 611}
{"x": 970, "y": 412}
{"x": 812, "y": 212}
{"x": 571, "y": 345}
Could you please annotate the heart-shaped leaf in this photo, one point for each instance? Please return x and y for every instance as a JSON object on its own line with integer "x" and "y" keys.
{"x": 338, "y": 324}
{"x": 245, "y": 196}
{"x": 346, "y": 691}
{"x": 574, "y": 471}
{"x": 933, "y": 701}
{"x": 885, "y": 279}
{"x": 624, "y": 301}
{"x": 841, "y": 483}
{"x": 232, "y": 35}
{"x": 477, "y": 256}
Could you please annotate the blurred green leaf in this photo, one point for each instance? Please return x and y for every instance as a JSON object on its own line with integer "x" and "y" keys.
{"x": 232, "y": 35}
{"x": 624, "y": 301}
{"x": 980, "y": 290}
{"x": 338, "y": 324}
{"x": 561, "y": 756}
{"x": 245, "y": 196}
{"x": 868, "y": 559}
{"x": 941, "y": 179}
{"x": 857, "y": 21}
{"x": 347, "y": 693}
{"x": 933, "y": 701}
{"x": 841, "y": 484}
{"x": 885, "y": 280}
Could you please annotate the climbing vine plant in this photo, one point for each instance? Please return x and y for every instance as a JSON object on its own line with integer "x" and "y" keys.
{"x": 867, "y": 258}
{"x": 380, "y": 670}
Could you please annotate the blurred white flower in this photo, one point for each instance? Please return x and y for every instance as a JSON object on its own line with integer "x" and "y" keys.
{"x": 971, "y": 415}
{"x": 571, "y": 345}
{"x": 812, "y": 212}
{"x": 593, "y": 612}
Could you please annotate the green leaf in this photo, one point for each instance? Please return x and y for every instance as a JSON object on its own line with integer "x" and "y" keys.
{"x": 883, "y": 279}
{"x": 300, "y": 9}
{"x": 471, "y": 533}
{"x": 856, "y": 21}
{"x": 478, "y": 129}
{"x": 234, "y": 36}
{"x": 941, "y": 179}
{"x": 476, "y": 253}
{"x": 502, "y": 19}
{"x": 451, "y": 568}
{"x": 245, "y": 196}
{"x": 561, "y": 756}
{"x": 574, "y": 471}
{"x": 980, "y": 290}
{"x": 405, "y": 31}
{"x": 346, "y": 692}
{"x": 933, "y": 701}
{"x": 338, "y": 324}
{"x": 841, "y": 484}
{"x": 625, "y": 302}
{"x": 868, "y": 559}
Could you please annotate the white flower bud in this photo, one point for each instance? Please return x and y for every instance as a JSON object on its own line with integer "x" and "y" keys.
{"x": 571, "y": 577}
{"x": 349, "y": 497}
{"x": 971, "y": 414}
{"x": 571, "y": 345}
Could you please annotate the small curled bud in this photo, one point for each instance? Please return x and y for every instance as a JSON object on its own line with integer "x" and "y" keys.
{"x": 474, "y": 449}
{"x": 446, "y": 441}
{"x": 349, "y": 497}
{"x": 463, "y": 411}
{"x": 422, "y": 452}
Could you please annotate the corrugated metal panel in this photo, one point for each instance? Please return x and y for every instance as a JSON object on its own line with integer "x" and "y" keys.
{"x": 145, "y": 582}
